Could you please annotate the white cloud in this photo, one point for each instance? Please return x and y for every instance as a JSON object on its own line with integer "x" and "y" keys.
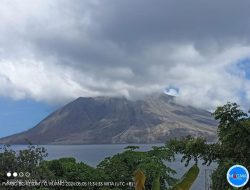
{"x": 55, "y": 51}
{"x": 42, "y": 82}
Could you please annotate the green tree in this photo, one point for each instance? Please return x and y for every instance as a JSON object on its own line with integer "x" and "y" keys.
{"x": 233, "y": 134}
{"x": 70, "y": 170}
{"x": 120, "y": 167}
{"x": 232, "y": 146}
{"x": 26, "y": 160}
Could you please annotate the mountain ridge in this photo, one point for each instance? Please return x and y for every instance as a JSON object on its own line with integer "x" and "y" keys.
{"x": 99, "y": 120}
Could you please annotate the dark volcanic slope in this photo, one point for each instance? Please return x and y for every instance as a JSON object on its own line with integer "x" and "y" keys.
{"x": 118, "y": 120}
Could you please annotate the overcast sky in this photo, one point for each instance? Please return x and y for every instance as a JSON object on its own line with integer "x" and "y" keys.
{"x": 52, "y": 51}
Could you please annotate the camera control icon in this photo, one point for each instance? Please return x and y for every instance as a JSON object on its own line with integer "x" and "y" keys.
{"x": 21, "y": 174}
{"x": 15, "y": 174}
{"x": 27, "y": 174}
{"x": 9, "y": 174}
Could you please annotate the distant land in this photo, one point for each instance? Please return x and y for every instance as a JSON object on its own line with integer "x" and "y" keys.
{"x": 105, "y": 120}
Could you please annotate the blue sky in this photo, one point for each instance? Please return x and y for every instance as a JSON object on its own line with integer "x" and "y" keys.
{"x": 244, "y": 65}
{"x": 17, "y": 116}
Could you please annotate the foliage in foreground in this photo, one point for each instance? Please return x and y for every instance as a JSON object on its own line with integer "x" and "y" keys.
{"x": 232, "y": 146}
{"x": 118, "y": 168}
{"x": 121, "y": 166}
{"x": 23, "y": 160}
{"x": 188, "y": 179}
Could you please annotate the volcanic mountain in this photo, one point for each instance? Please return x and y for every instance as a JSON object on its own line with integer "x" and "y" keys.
{"x": 155, "y": 119}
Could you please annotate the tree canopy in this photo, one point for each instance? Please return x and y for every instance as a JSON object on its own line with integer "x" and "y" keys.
{"x": 232, "y": 147}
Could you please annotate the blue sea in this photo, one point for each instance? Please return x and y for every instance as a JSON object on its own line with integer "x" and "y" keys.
{"x": 94, "y": 154}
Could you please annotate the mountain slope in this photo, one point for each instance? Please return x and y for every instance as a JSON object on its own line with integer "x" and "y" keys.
{"x": 154, "y": 119}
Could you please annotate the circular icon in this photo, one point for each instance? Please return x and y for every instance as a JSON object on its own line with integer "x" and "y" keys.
{"x": 21, "y": 174}
{"x": 14, "y": 174}
{"x": 8, "y": 174}
{"x": 237, "y": 176}
{"x": 27, "y": 174}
